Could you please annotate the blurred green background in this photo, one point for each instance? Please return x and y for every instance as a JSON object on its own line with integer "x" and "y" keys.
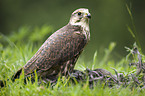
{"x": 108, "y": 24}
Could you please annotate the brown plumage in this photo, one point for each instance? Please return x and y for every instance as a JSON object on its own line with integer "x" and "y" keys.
{"x": 59, "y": 53}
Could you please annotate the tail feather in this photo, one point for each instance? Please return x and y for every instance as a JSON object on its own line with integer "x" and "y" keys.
{"x": 15, "y": 76}
{"x": 2, "y": 83}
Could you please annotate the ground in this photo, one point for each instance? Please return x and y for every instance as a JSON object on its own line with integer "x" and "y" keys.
{"x": 15, "y": 52}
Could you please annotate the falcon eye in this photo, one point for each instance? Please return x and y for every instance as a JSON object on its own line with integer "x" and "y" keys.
{"x": 79, "y": 13}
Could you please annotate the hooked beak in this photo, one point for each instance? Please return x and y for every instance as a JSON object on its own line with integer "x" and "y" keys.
{"x": 88, "y": 16}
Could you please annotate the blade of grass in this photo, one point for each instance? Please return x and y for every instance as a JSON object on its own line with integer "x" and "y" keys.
{"x": 133, "y": 32}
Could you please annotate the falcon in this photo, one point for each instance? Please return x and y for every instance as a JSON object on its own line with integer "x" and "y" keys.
{"x": 59, "y": 53}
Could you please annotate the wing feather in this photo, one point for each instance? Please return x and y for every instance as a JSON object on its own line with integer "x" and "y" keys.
{"x": 60, "y": 47}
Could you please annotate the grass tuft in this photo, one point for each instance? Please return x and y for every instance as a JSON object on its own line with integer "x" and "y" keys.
{"x": 14, "y": 54}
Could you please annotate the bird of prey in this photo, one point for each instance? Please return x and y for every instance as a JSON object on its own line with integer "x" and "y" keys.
{"x": 59, "y": 53}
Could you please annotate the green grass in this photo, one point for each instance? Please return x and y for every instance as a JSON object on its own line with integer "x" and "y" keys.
{"x": 15, "y": 52}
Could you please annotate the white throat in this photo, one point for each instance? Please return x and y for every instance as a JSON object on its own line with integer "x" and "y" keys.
{"x": 85, "y": 26}
{"x": 83, "y": 23}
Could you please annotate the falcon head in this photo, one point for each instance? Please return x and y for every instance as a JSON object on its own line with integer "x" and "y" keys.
{"x": 80, "y": 17}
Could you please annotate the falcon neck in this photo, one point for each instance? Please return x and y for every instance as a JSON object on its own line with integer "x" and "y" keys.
{"x": 84, "y": 25}
{"x": 83, "y": 29}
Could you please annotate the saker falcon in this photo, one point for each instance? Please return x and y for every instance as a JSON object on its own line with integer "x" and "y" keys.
{"x": 59, "y": 53}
